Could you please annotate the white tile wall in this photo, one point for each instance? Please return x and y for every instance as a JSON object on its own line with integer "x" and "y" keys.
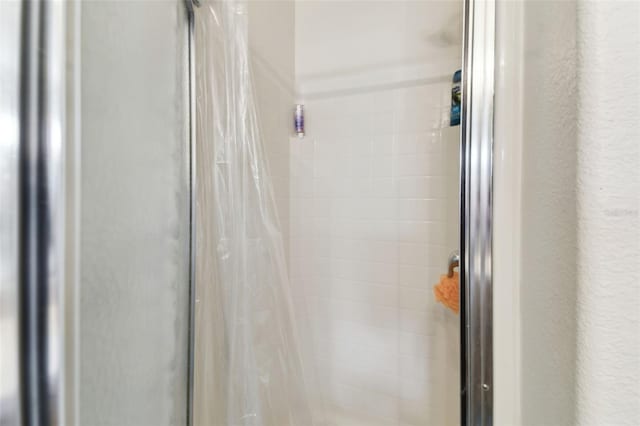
{"x": 373, "y": 218}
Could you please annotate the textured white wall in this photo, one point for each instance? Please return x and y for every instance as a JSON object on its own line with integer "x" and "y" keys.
{"x": 608, "y": 195}
{"x": 548, "y": 263}
{"x": 579, "y": 292}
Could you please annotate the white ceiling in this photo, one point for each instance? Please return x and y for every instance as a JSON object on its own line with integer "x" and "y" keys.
{"x": 349, "y": 37}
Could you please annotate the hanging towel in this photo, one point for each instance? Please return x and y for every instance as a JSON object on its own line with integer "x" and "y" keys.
{"x": 447, "y": 292}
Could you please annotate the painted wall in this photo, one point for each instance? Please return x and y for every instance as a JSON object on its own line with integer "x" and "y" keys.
{"x": 134, "y": 264}
{"x": 374, "y": 209}
{"x": 548, "y": 226}
{"x": 271, "y": 43}
{"x": 608, "y": 220}
{"x": 579, "y": 291}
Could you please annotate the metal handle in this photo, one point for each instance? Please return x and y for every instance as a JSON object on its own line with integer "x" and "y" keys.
{"x": 454, "y": 262}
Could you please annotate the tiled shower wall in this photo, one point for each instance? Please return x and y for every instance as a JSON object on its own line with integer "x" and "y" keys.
{"x": 373, "y": 218}
{"x": 368, "y": 203}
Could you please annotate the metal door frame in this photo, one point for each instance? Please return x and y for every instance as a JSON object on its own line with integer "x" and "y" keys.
{"x": 41, "y": 212}
{"x": 193, "y": 198}
{"x": 476, "y": 213}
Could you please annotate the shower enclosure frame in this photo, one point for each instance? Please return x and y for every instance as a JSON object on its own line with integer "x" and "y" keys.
{"x": 46, "y": 393}
{"x": 476, "y": 213}
{"x": 44, "y": 134}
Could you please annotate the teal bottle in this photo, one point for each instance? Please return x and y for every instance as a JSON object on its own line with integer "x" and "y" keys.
{"x": 455, "y": 98}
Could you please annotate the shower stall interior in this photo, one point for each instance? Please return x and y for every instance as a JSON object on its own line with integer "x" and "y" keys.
{"x": 367, "y": 200}
{"x": 255, "y": 202}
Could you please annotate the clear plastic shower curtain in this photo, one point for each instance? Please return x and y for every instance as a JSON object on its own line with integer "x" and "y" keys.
{"x": 248, "y": 365}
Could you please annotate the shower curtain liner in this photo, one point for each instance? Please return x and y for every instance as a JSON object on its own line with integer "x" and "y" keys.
{"x": 252, "y": 352}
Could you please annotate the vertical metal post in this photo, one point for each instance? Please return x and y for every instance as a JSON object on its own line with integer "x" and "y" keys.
{"x": 191, "y": 4}
{"x": 41, "y": 211}
{"x": 476, "y": 204}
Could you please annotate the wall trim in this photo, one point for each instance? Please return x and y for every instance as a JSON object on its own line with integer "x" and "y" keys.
{"x": 508, "y": 118}
{"x": 476, "y": 218}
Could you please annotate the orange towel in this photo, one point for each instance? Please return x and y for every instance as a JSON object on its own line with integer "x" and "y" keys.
{"x": 448, "y": 292}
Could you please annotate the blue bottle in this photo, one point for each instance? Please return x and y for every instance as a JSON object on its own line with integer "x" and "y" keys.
{"x": 456, "y": 98}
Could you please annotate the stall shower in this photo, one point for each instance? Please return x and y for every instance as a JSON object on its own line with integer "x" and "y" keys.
{"x": 319, "y": 212}
{"x": 334, "y": 321}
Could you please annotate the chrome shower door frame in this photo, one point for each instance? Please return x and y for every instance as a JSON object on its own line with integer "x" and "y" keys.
{"x": 41, "y": 212}
{"x": 476, "y": 213}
